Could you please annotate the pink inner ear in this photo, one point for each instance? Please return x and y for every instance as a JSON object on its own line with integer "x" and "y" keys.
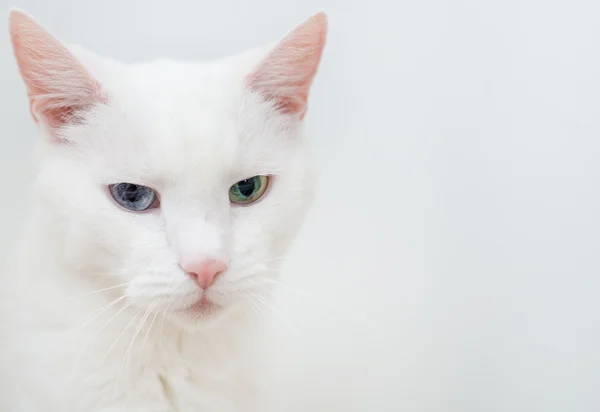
{"x": 58, "y": 85}
{"x": 286, "y": 74}
{"x": 55, "y": 117}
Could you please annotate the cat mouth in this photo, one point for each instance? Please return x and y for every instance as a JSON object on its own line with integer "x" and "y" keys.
{"x": 201, "y": 308}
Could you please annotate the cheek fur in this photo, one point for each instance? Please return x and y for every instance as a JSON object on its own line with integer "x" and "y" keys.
{"x": 101, "y": 239}
{"x": 159, "y": 285}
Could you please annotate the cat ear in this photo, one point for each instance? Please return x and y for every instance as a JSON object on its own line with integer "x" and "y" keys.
{"x": 58, "y": 86}
{"x": 286, "y": 74}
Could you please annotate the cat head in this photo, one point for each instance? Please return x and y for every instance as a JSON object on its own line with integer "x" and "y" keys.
{"x": 184, "y": 182}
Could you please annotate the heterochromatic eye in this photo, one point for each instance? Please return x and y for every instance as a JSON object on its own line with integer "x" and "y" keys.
{"x": 133, "y": 197}
{"x": 248, "y": 191}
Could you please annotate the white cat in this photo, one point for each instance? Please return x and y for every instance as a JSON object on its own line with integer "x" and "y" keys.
{"x": 166, "y": 195}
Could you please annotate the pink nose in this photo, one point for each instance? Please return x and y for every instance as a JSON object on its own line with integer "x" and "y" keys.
{"x": 204, "y": 272}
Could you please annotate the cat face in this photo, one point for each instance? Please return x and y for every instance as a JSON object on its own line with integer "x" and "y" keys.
{"x": 185, "y": 183}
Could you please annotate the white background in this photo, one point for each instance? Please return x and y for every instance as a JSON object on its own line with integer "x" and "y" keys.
{"x": 456, "y": 235}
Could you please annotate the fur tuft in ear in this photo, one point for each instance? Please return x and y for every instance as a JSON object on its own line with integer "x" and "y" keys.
{"x": 59, "y": 87}
{"x": 286, "y": 74}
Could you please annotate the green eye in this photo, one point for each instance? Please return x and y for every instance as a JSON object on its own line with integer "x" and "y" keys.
{"x": 248, "y": 191}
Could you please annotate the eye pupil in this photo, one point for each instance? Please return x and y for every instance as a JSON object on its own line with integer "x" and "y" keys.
{"x": 246, "y": 187}
{"x": 133, "y": 197}
{"x": 131, "y": 193}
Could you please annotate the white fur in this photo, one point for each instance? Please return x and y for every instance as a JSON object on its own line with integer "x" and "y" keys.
{"x": 190, "y": 131}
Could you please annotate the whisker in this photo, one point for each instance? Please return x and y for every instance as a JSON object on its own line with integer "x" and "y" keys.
{"x": 84, "y": 348}
{"x": 255, "y": 307}
{"x": 271, "y": 260}
{"x": 113, "y": 318}
{"x": 293, "y": 289}
{"x": 127, "y": 355}
{"x": 94, "y": 315}
{"x": 149, "y": 329}
{"x": 121, "y": 335}
{"x": 164, "y": 315}
{"x": 333, "y": 309}
{"x": 286, "y": 322}
{"x": 162, "y": 323}
{"x": 258, "y": 310}
{"x": 96, "y": 291}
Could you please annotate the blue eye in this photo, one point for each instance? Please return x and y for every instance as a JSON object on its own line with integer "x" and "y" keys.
{"x": 133, "y": 197}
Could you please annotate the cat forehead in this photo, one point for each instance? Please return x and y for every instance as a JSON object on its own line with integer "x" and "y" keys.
{"x": 176, "y": 92}
{"x": 183, "y": 122}
{"x": 177, "y": 107}
{"x": 211, "y": 84}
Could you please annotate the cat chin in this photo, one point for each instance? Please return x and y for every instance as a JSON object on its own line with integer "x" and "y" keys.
{"x": 203, "y": 316}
